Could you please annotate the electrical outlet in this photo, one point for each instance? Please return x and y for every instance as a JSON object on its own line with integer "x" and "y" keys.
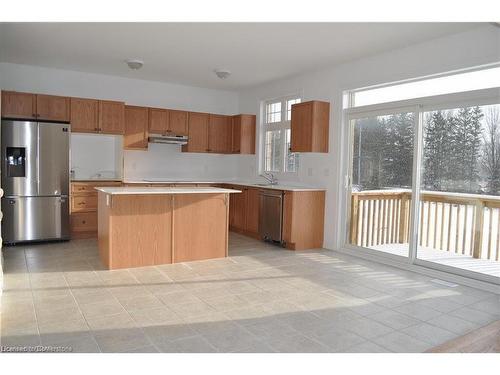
{"x": 326, "y": 172}
{"x": 309, "y": 171}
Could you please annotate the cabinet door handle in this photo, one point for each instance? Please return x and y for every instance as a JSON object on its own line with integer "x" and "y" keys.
{"x": 81, "y": 203}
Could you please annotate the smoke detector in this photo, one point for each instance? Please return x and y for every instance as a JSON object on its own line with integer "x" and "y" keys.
{"x": 222, "y": 73}
{"x": 134, "y": 64}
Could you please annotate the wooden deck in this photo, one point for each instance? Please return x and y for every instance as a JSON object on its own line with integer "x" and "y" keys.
{"x": 462, "y": 261}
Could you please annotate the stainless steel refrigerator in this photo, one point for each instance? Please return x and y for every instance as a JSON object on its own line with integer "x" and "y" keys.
{"x": 35, "y": 180}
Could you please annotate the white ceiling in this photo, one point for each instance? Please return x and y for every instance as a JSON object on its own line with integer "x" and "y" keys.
{"x": 187, "y": 53}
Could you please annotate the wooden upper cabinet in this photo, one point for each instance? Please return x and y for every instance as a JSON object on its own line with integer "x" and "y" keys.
{"x": 220, "y": 134}
{"x": 158, "y": 121}
{"x": 178, "y": 122}
{"x": 84, "y": 115}
{"x": 53, "y": 108}
{"x": 18, "y": 105}
{"x": 111, "y": 117}
{"x": 198, "y": 133}
{"x": 309, "y": 126}
{"x": 136, "y": 128}
{"x": 243, "y": 134}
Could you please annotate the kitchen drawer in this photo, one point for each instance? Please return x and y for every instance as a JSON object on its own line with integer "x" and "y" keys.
{"x": 84, "y": 222}
{"x": 89, "y": 187}
{"x": 84, "y": 203}
{"x": 82, "y": 188}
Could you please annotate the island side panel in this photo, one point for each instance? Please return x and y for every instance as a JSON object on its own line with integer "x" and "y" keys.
{"x": 140, "y": 230}
{"x": 103, "y": 239}
{"x": 200, "y": 226}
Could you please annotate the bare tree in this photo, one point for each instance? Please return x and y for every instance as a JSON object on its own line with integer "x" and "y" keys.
{"x": 491, "y": 157}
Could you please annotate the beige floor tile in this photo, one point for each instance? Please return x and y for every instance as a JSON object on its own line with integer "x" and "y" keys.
{"x": 20, "y": 338}
{"x": 230, "y": 339}
{"x": 121, "y": 340}
{"x": 401, "y": 343}
{"x": 394, "y": 319}
{"x": 176, "y": 298}
{"x": 50, "y": 315}
{"x": 227, "y": 302}
{"x": 165, "y": 333}
{"x": 193, "y": 344}
{"x": 118, "y": 321}
{"x": 192, "y": 309}
{"x": 154, "y": 316}
{"x": 102, "y": 308}
{"x": 147, "y": 301}
{"x": 298, "y": 344}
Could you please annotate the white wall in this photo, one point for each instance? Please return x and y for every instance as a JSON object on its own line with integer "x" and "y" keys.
{"x": 472, "y": 48}
{"x": 94, "y": 156}
{"x": 166, "y": 159}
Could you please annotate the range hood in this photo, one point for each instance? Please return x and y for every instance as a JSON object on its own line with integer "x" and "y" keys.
{"x": 168, "y": 139}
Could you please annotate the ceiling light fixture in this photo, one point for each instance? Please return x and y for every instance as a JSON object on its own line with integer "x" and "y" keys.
{"x": 222, "y": 73}
{"x": 134, "y": 64}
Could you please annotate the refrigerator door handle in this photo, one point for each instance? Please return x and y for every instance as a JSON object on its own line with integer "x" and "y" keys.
{"x": 38, "y": 158}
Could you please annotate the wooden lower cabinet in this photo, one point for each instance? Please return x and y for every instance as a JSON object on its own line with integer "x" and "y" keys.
{"x": 303, "y": 219}
{"x": 83, "y": 222}
{"x": 244, "y": 211}
{"x": 83, "y": 207}
{"x": 252, "y": 211}
{"x": 303, "y": 216}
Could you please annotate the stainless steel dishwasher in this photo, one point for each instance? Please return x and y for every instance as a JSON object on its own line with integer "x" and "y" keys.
{"x": 271, "y": 215}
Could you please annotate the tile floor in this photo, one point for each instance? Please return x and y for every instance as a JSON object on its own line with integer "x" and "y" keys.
{"x": 260, "y": 299}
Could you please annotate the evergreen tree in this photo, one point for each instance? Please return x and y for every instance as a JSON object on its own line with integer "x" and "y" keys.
{"x": 436, "y": 151}
{"x": 490, "y": 160}
{"x": 465, "y": 151}
{"x": 397, "y": 152}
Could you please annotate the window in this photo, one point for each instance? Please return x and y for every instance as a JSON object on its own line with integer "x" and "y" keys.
{"x": 277, "y": 134}
{"x": 459, "y": 82}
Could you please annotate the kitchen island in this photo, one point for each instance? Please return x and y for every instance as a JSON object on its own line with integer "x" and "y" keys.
{"x": 144, "y": 226}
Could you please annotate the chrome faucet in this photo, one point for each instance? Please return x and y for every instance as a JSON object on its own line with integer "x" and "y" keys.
{"x": 270, "y": 178}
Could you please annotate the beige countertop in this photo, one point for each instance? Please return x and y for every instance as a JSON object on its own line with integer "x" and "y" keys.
{"x": 118, "y": 190}
{"x": 261, "y": 185}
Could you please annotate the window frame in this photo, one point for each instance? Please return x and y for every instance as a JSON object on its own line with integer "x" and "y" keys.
{"x": 282, "y": 126}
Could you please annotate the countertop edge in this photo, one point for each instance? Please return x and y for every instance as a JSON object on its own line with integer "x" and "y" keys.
{"x": 165, "y": 191}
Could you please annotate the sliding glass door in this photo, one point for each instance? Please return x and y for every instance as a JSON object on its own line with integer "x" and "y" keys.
{"x": 425, "y": 183}
{"x": 459, "y": 208}
{"x": 381, "y": 181}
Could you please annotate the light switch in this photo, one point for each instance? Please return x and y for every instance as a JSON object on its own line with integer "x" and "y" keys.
{"x": 309, "y": 171}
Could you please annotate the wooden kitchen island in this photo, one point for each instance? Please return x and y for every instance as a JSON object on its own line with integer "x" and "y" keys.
{"x": 144, "y": 226}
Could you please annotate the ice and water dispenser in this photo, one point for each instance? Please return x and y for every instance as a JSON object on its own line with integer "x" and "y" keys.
{"x": 16, "y": 161}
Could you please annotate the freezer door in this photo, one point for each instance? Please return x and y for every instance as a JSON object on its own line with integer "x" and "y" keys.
{"x": 53, "y": 159}
{"x": 19, "y": 158}
{"x": 35, "y": 219}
